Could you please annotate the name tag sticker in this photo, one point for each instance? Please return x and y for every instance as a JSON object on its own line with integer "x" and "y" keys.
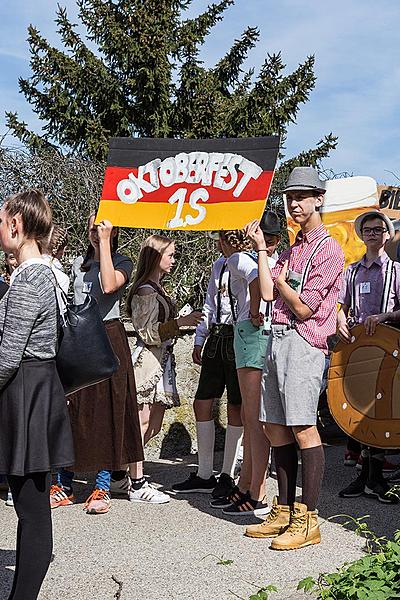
{"x": 87, "y": 287}
{"x": 365, "y": 288}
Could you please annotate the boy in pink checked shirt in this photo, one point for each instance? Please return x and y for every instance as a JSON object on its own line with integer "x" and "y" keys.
{"x": 305, "y": 284}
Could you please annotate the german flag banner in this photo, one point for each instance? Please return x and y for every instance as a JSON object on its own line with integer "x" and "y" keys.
{"x": 187, "y": 184}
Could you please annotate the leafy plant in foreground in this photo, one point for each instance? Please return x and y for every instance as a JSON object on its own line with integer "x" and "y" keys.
{"x": 376, "y": 576}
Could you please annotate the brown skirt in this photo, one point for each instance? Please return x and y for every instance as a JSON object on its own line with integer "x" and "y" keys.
{"x": 104, "y": 417}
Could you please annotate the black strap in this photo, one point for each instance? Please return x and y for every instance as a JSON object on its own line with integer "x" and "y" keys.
{"x": 218, "y": 315}
{"x": 231, "y": 300}
{"x": 387, "y": 286}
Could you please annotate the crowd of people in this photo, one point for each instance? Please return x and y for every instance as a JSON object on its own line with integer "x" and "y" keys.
{"x": 262, "y": 336}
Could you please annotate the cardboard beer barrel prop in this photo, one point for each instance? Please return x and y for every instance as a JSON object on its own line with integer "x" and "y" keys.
{"x": 364, "y": 386}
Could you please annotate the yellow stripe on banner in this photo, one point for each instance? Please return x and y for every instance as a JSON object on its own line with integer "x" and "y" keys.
{"x": 156, "y": 215}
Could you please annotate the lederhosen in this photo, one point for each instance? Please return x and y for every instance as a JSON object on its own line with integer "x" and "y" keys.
{"x": 218, "y": 369}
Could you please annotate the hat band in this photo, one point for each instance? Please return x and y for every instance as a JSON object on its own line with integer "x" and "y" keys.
{"x": 304, "y": 185}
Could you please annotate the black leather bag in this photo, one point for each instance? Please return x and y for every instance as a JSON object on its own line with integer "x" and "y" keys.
{"x": 85, "y": 355}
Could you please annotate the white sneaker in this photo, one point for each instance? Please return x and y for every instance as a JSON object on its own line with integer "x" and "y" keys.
{"x": 148, "y": 493}
{"x": 120, "y": 488}
{"x": 9, "y": 501}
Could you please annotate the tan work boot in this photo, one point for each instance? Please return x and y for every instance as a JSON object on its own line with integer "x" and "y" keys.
{"x": 303, "y": 529}
{"x": 276, "y": 522}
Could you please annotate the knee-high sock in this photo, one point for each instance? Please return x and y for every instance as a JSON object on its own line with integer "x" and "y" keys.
{"x": 376, "y": 460}
{"x": 233, "y": 439}
{"x": 286, "y": 463}
{"x": 312, "y": 468}
{"x": 205, "y": 445}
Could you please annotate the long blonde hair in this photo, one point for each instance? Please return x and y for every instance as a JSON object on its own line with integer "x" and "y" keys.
{"x": 150, "y": 255}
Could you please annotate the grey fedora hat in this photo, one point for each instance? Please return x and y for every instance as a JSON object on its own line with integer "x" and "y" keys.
{"x": 304, "y": 178}
{"x": 373, "y": 214}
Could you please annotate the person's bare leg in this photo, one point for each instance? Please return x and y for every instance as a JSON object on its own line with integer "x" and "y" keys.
{"x": 234, "y": 415}
{"x": 256, "y": 445}
{"x": 156, "y": 416}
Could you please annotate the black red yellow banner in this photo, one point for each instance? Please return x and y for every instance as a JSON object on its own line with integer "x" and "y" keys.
{"x": 187, "y": 184}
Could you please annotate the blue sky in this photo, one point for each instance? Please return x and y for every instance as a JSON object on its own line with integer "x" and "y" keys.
{"x": 357, "y": 49}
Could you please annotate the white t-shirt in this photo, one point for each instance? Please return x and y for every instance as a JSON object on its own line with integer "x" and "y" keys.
{"x": 244, "y": 269}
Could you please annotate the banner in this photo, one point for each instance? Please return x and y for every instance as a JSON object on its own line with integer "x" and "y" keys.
{"x": 187, "y": 184}
{"x": 344, "y": 200}
{"x": 389, "y": 200}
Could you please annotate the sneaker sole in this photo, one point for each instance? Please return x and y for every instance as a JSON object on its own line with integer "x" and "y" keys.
{"x": 355, "y": 495}
{"x": 61, "y": 505}
{"x": 97, "y": 512}
{"x": 258, "y": 512}
{"x": 371, "y": 494}
{"x": 139, "y": 501}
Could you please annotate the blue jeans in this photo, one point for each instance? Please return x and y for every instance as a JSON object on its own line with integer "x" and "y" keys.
{"x": 103, "y": 479}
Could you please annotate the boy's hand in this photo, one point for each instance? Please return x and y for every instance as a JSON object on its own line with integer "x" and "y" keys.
{"x": 371, "y": 322}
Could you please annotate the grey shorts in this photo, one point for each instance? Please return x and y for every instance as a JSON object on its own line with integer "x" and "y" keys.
{"x": 291, "y": 380}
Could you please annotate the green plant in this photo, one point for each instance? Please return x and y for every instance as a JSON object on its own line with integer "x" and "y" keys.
{"x": 220, "y": 560}
{"x": 262, "y": 593}
{"x": 375, "y": 576}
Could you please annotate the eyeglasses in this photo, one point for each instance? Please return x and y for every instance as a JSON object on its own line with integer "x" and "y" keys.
{"x": 374, "y": 230}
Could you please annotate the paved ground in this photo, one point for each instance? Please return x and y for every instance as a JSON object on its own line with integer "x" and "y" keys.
{"x": 172, "y": 551}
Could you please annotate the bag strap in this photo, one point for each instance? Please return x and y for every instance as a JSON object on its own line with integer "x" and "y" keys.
{"x": 231, "y": 300}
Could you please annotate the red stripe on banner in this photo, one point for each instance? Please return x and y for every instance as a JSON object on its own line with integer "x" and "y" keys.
{"x": 255, "y": 189}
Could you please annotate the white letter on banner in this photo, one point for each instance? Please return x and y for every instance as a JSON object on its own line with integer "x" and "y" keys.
{"x": 181, "y": 160}
{"x": 179, "y": 196}
{"x": 142, "y": 183}
{"x": 151, "y": 168}
{"x": 250, "y": 171}
{"x": 214, "y": 161}
{"x": 197, "y": 195}
{"x": 227, "y": 169}
{"x": 168, "y": 172}
{"x": 127, "y": 191}
{"x": 197, "y": 165}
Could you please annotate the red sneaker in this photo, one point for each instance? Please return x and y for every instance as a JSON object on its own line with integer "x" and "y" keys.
{"x": 59, "y": 497}
{"x": 98, "y": 503}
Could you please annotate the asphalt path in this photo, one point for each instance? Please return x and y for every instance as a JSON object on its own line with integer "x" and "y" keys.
{"x": 177, "y": 551}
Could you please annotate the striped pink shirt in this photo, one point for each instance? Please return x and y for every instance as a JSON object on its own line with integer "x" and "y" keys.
{"x": 320, "y": 289}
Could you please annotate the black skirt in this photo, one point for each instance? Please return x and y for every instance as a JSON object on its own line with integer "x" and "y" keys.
{"x": 35, "y": 431}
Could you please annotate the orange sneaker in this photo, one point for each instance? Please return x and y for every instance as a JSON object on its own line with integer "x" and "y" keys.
{"x": 59, "y": 497}
{"x": 98, "y": 503}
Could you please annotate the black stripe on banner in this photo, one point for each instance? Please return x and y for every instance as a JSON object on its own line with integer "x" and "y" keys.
{"x": 133, "y": 152}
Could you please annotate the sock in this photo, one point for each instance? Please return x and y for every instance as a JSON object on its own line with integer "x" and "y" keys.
{"x": 365, "y": 464}
{"x": 233, "y": 439}
{"x": 286, "y": 464}
{"x": 137, "y": 483}
{"x": 118, "y": 475}
{"x": 205, "y": 444}
{"x": 375, "y": 470}
{"x": 313, "y": 465}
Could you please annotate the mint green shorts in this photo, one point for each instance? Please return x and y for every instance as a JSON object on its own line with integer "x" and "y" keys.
{"x": 250, "y": 345}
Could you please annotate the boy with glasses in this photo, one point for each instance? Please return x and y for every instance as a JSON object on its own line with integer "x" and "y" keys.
{"x": 370, "y": 295}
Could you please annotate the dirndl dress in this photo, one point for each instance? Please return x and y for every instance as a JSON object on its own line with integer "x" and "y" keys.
{"x": 35, "y": 431}
{"x": 104, "y": 417}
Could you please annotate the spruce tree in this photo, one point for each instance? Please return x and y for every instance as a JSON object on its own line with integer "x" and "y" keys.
{"x": 146, "y": 78}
